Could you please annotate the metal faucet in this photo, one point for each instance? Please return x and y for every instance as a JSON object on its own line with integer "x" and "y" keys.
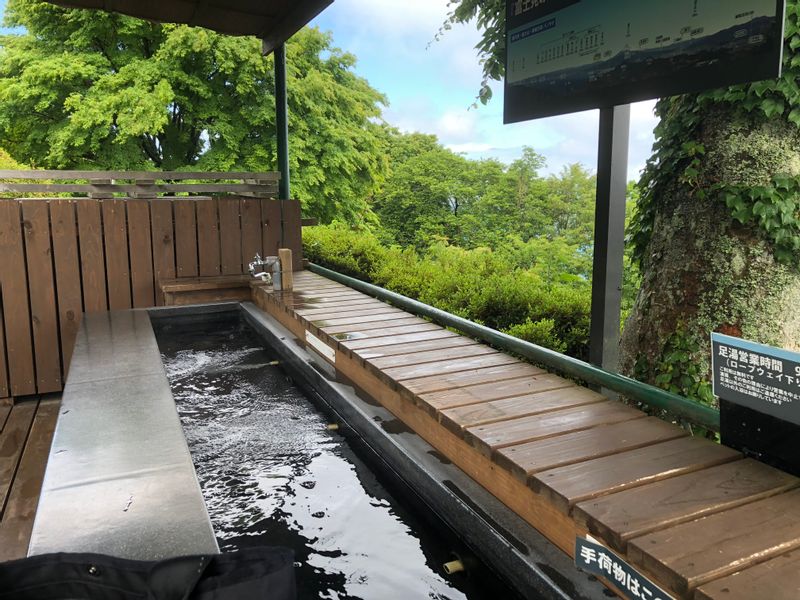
{"x": 260, "y": 267}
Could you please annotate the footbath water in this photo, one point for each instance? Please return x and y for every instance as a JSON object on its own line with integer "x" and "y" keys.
{"x": 272, "y": 473}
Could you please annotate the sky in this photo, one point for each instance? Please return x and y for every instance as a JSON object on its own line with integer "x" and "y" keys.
{"x": 431, "y": 86}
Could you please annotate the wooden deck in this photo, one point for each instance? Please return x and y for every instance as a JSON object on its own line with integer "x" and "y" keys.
{"x": 26, "y": 430}
{"x": 698, "y": 518}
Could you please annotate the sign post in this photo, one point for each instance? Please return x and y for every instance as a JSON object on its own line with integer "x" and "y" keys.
{"x": 609, "y": 235}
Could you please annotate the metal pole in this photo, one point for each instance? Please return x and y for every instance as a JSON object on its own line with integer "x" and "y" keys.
{"x": 609, "y": 236}
{"x": 282, "y": 121}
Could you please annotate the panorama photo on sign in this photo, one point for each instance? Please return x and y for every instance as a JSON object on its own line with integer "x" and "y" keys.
{"x": 569, "y": 55}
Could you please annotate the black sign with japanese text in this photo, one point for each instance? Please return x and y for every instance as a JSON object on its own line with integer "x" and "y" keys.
{"x": 599, "y": 560}
{"x": 565, "y": 56}
{"x": 756, "y": 376}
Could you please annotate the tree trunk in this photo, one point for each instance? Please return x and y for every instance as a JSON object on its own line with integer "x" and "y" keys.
{"x": 702, "y": 271}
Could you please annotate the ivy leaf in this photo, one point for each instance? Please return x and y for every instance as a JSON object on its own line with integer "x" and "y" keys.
{"x": 772, "y": 107}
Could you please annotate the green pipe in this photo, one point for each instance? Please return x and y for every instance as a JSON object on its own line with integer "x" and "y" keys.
{"x": 654, "y": 397}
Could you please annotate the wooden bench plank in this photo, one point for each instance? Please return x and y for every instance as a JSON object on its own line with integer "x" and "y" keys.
{"x": 428, "y": 356}
{"x": 440, "y": 383}
{"x": 289, "y": 299}
{"x": 17, "y": 521}
{"x": 488, "y": 392}
{"x": 345, "y": 312}
{"x": 314, "y": 287}
{"x": 370, "y": 333}
{"x": 389, "y": 350}
{"x": 68, "y": 275}
{"x": 774, "y": 579}
{"x": 604, "y": 440}
{"x": 380, "y": 319}
{"x": 402, "y": 340}
{"x": 298, "y": 304}
{"x": 689, "y": 555}
{"x": 438, "y": 368}
{"x": 566, "y": 486}
{"x": 343, "y": 295}
{"x": 460, "y": 418}
{"x": 191, "y": 284}
{"x": 12, "y": 442}
{"x": 633, "y": 513}
{"x": 5, "y": 410}
{"x": 393, "y": 327}
{"x": 489, "y": 438}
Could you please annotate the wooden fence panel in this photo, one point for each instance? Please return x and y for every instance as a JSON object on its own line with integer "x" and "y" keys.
{"x": 292, "y": 231}
{"x": 63, "y": 257}
{"x": 93, "y": 271}
{"x": 230, "y": 234}
{"x": 271, "y": 228}
{"x": 5, "y": 392}
{"x": 141, "y": 253}
{"x": 16, "y": 316}
{"x": 208, "y": 238}
{"x": 163, "y": 244}
{"x": 115, "y": 233}
{"x": 251, "y": 229}
{"x": 185, "y": 238}
{"x": 41, "y": 286}
{"x": 68, "y": 275}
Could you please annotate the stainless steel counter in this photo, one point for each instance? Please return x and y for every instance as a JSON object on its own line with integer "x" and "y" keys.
{"x": 120, "y": 480}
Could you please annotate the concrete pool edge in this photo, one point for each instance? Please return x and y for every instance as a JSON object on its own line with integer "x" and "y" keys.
{"x": 522, "y": 556}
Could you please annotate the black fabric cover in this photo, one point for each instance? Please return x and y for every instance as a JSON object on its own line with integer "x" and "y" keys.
{"x": 255, "y": 573}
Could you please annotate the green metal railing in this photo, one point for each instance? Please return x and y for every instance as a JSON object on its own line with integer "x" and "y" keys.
{"x": 649, "y": 395}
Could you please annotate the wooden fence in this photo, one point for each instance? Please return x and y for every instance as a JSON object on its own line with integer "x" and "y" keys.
{"x": 62, "y": 257}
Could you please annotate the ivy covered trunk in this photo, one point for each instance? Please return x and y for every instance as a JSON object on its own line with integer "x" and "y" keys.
{"x": 716, "y": 231}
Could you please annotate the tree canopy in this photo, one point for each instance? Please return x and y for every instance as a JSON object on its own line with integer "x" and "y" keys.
{"x": 96, "y": 90}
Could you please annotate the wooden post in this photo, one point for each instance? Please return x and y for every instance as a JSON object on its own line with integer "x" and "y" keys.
{"x": 287, "y": 276}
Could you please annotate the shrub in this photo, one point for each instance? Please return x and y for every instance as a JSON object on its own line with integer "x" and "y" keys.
{"x": 480, "y": 285}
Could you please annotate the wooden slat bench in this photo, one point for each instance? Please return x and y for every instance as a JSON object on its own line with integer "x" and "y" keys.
{"x": 566, "y": 459}
{"x": 26, "y": 431}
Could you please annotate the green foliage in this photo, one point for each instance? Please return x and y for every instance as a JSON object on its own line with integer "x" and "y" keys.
{"x": 770, "y": 207}
{"x": 678, "y": 370}
{"x": 7, "y": 163}
{"x": 97, "y": 90}
{"x": 774, "y": 209}
{"x": 482, "y": 285}
{"x": 490, "y": 17}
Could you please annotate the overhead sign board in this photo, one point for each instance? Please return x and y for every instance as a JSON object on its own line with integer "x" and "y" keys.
{"x": 569, "y": 55}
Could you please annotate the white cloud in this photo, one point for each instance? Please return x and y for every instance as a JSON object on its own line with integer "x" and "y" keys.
{"x": 431, "y": 86}
{"x": 471, "y": 148}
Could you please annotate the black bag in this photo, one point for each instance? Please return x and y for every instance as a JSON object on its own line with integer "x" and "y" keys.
{"x": 255, "y": 573}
